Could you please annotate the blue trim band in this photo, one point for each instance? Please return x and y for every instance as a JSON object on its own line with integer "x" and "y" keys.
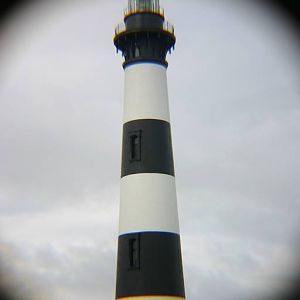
{"x": 148, "y": 231}
{"x": 144, "y": 61}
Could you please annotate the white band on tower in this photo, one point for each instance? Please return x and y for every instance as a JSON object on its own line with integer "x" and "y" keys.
{"x": 146, "y": 92}
{"x": 157, "y": 211}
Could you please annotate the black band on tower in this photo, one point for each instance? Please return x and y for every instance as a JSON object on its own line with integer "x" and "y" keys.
{"x": 149, "y": 263}
{"x": 147, "y": 147}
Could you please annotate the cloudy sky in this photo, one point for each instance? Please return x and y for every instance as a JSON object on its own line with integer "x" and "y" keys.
{"x": 234, "y": 86}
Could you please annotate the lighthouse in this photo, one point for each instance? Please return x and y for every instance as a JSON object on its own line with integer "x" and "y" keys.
{"x": 149, "y": 263}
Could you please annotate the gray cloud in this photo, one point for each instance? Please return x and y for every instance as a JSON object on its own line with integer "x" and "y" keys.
{"x": 49, "y": 273}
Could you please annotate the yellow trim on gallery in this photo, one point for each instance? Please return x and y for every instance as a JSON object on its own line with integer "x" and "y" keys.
{"x": 152, "y": 298}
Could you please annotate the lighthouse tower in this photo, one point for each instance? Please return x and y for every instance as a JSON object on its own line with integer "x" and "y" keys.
{"x": 149, "y": 253}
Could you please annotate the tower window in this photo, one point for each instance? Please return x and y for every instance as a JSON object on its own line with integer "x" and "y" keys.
{"x": 135, "y": 145}
{"x": 134, "y": 253}
{"x": 137, "y": 52}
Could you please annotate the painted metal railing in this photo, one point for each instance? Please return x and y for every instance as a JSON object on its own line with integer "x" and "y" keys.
{"x": 121, "y": 27}
{"x": 167, "y": 26}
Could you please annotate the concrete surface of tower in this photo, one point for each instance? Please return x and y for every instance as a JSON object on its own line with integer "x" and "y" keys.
{"x": 149, "y": 253}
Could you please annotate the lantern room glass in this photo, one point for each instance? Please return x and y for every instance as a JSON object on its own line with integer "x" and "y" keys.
{"x": 143, "y": 5}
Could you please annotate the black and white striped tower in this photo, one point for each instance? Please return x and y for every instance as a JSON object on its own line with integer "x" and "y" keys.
{"x": 149, "y": 253}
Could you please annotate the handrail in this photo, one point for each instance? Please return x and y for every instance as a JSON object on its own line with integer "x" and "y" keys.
{"x": 121, "y": 27}
{"x": 129, "y": 12}
{"x": 167, "y": 26}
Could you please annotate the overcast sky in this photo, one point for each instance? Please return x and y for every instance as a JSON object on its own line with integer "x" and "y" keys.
{"x": 234, "y": 86}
